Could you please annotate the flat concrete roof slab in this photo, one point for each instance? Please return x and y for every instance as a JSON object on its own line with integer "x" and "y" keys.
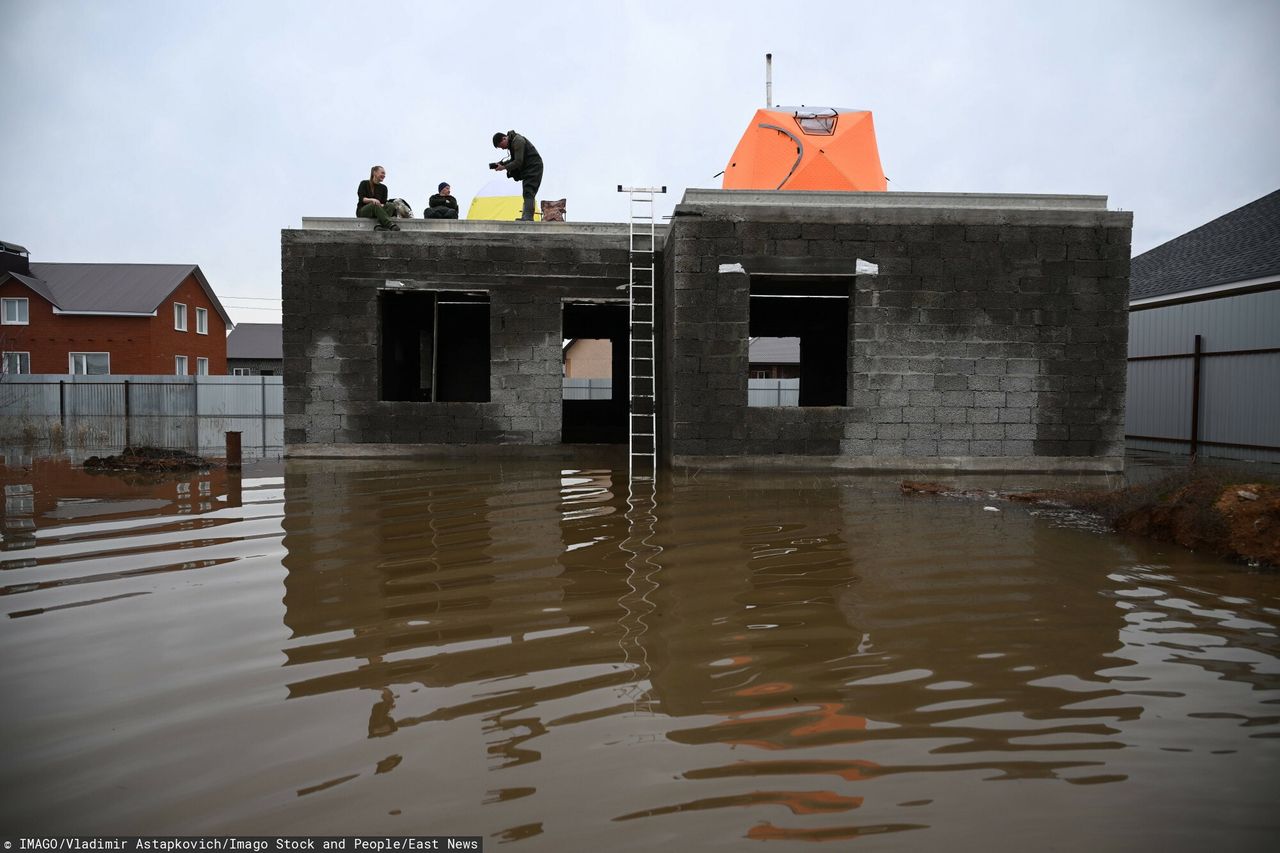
{"x": 476, "y": 226}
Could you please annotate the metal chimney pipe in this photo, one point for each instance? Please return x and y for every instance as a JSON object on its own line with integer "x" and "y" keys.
{"x": 768, "y": 81}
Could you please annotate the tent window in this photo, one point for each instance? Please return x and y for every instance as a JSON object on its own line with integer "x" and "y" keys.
{"x": 816, "y": 125}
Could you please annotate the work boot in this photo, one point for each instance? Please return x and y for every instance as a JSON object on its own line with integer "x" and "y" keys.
{"x": 393, "y": 227}
{"x": 380, "y": 227}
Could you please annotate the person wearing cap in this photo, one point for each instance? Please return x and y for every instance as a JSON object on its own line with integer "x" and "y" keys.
{"x": 523, "y": 164}
{"x": 442, "y": 205}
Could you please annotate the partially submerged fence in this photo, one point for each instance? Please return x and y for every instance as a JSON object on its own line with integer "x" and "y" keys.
{"x": 1206, "y": 402}
{"x": 179, "y": 412}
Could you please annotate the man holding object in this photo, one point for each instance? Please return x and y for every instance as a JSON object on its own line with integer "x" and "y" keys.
{"x": 523, "y": 164}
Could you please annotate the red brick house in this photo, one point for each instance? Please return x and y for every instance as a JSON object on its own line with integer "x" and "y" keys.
{"x": 108, "y": 318}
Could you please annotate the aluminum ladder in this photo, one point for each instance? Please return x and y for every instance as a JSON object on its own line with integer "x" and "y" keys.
{"x": 642, "y": 450}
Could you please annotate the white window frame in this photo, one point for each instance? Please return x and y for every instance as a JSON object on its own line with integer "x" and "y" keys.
{"x": 179, "y": 316}
{"x": 4, "y": 367}
{"x": 179, "y": 365}
{"x": 202, "y": 321}
{"x": 71, "y": 363}
{"x": 241, "y": 371}
{"x": 18, "y": 301}
{"x": 202, "y": 366}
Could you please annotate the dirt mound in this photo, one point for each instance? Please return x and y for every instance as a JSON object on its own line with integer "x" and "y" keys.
{"x": 1196, "y": 509}
{"x": 149, "y": 459}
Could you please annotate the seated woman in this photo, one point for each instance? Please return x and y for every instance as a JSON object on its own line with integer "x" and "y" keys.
{"x": 371, "y": 200}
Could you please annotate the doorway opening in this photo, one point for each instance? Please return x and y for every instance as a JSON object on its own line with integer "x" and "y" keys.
{"x": 595, "y": 402}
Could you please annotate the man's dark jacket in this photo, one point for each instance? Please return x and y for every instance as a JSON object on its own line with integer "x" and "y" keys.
{"x": 525, "y": 162}
{"x": 438, "y": 200}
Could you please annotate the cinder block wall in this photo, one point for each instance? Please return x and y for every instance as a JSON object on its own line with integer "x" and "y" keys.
{"x": 993, "y": 337}
{"x": 332, "y": 372}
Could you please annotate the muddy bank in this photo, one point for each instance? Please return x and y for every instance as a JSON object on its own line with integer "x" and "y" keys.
{"x": 1199, "y": 510}
{"x": 151, "y": 460}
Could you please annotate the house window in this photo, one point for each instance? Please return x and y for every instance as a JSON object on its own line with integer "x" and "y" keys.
{"x": 241, "y": 371}
{"x": 800, "y": 341}
{"x": 89, "y": 363}
{"x": 15, "y": 312}
{"x": 179, "y": 317}
{"x": 16, "y": 363}
{"x": 435, "y": 346}
{"x": 202, "y": 366}
{"x": 180, "y": 365}
{"x": 202, "y": 321}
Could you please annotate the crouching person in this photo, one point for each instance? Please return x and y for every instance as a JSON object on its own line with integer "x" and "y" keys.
{"x": 442, "y": 205}
{"x": 371, "y": 200}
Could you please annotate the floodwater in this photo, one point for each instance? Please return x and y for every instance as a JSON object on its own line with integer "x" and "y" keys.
{"x": 520, "y": 650}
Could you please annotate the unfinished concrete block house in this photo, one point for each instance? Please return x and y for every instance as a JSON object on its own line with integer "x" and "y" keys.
{"x": 937, "y": 331}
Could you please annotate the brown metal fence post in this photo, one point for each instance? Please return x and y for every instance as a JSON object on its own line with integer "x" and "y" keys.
{"x": 1195, "y": 399}
{"x": 233, "y": 451}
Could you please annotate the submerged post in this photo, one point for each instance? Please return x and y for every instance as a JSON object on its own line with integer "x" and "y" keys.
{"x": 233, "y": 451}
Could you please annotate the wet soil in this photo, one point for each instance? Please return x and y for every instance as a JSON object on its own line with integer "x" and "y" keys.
{"x": 1199, "y": 510}
{"x": 148, "y": 459}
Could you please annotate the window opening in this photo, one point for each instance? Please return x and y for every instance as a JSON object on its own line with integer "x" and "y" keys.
{"x": 435, "y": 346}
{"x": 799, "y": 349}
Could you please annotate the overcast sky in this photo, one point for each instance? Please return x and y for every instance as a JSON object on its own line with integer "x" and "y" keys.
{"x": 184, "y": 132}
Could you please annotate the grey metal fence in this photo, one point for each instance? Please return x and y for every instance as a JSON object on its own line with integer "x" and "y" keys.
{"x": 587, "y": 389}
{"x": 773, "y": 392}
{"x": 1223, "y": 403}
{"x": 179, "y": 412}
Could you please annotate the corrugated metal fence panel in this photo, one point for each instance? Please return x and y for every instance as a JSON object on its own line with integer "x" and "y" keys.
{"x": 587, "y": 389}
{"x": 1239, "y": 394}
{"x": 1249, "y": 321}
{"x": 161, "y": 410}
{"x": 1159, "y": 401}
{"x": 92, "y": 414}
{"x": 1240, "y": 399}
{"x": 773, "y": 392}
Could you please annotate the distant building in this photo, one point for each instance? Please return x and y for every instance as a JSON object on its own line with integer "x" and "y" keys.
{"x": 108, "y": 318}
{"x": 254, "y": 349}
{"x": 1217, "y": 288}
{"x": 774, "y": 358}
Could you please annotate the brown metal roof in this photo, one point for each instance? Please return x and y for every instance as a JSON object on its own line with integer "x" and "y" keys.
{"x": 114, "y": 288}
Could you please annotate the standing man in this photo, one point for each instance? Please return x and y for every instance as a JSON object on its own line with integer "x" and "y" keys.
{"x": 442, "y": 205}
{"x": 523, "y": 164}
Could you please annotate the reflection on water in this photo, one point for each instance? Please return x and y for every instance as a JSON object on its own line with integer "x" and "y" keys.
{"x": 548, "y": 656}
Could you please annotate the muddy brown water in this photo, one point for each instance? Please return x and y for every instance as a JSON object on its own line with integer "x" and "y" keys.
{"x": 526, "y": 651}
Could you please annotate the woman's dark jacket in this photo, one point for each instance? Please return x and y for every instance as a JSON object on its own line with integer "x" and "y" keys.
{"x": 368, "y": 189}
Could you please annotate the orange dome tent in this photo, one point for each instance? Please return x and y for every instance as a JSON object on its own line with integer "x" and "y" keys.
{"x": 803, "y": 148}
